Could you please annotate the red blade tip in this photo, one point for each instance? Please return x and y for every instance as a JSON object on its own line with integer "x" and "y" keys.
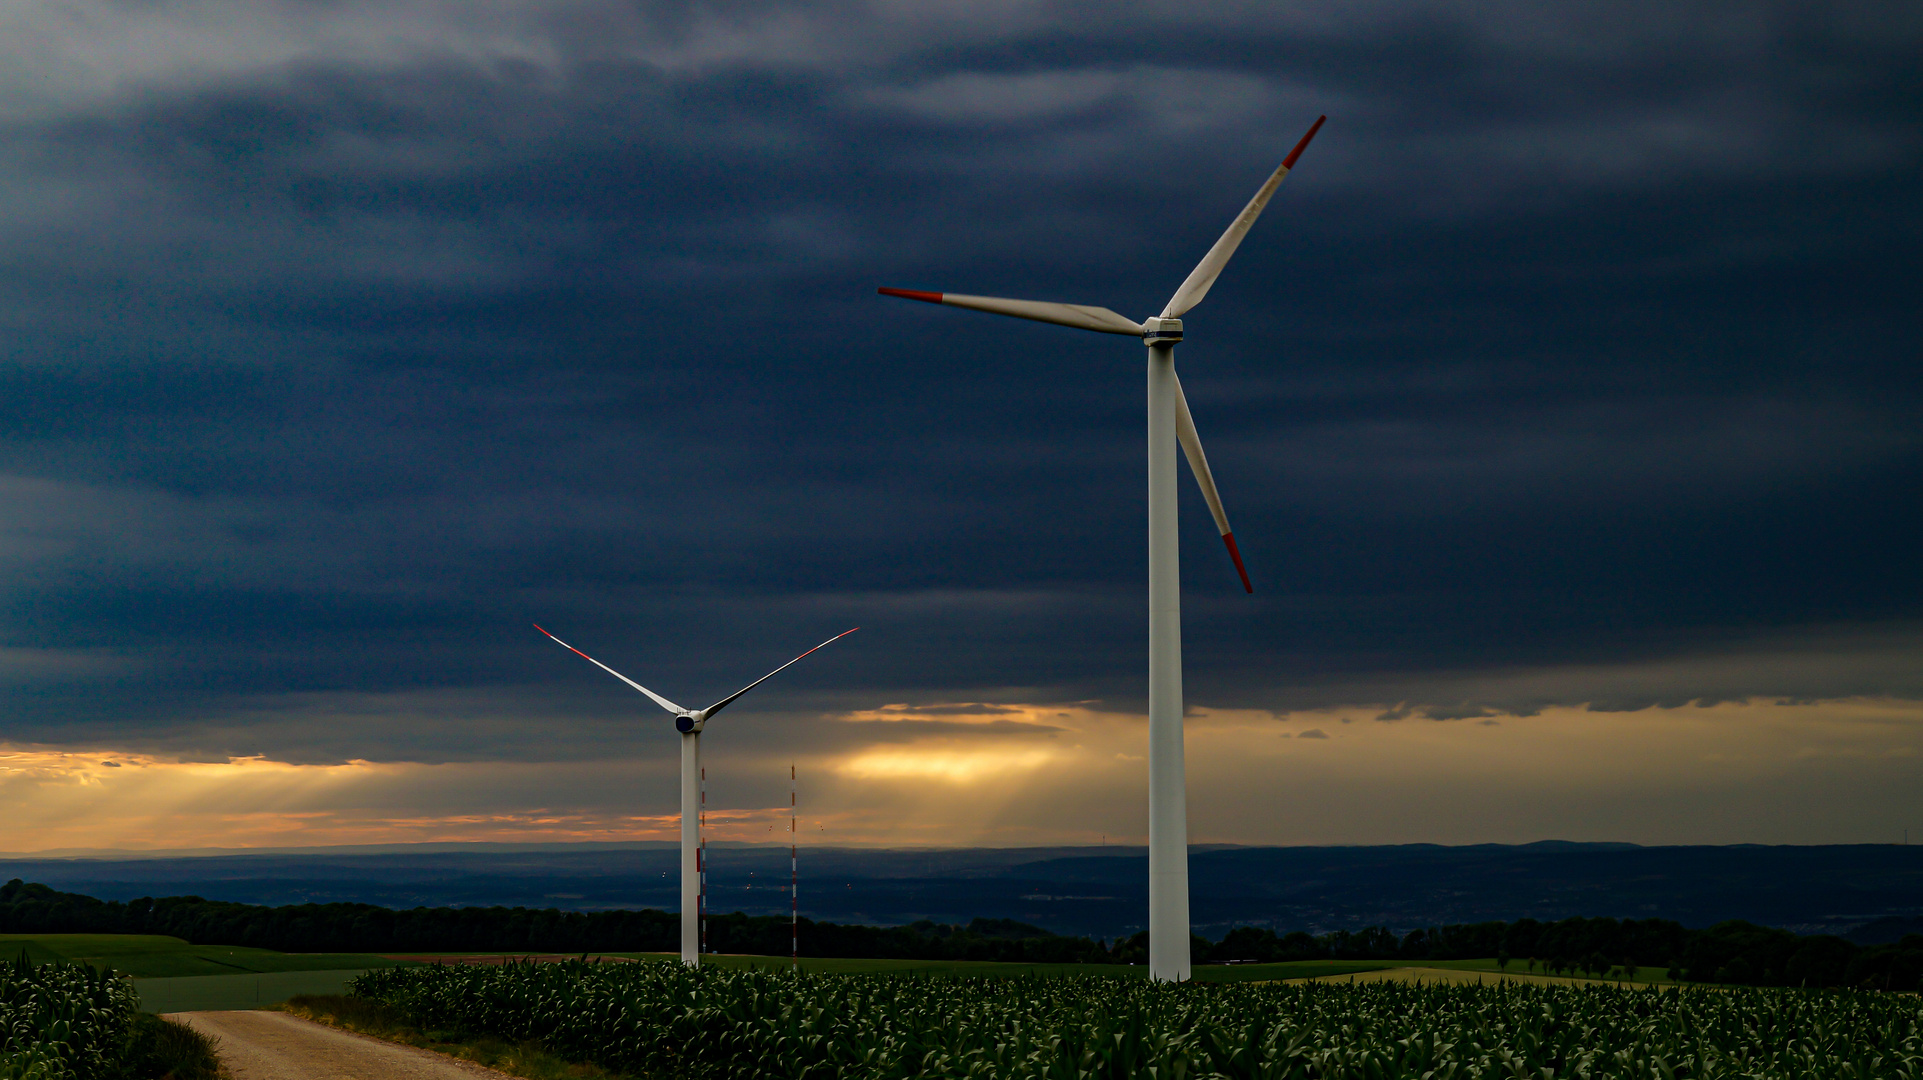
{"x": 1229, "y": 539}
{"x": 1289, "y": 162}
{"x": 911, "y": 294}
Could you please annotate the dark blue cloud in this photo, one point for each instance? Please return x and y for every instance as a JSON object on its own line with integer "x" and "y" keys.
{"x": 1576, "y": 339}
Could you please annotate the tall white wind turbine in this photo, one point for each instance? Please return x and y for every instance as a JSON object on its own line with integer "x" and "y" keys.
{"x": 689, "y": 723}
{"x": 1169, "y": 424}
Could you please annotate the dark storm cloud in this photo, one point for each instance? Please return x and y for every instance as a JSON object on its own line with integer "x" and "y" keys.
{"x": 342, "y": 344}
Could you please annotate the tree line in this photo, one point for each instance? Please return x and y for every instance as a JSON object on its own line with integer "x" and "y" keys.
{"x": 1733, "y": 952}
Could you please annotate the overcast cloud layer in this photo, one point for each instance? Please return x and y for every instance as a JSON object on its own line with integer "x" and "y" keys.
{"x": 1576, "y": 366}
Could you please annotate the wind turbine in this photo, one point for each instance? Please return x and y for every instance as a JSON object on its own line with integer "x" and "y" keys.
{"x": 689, "y": 723}
{"x": 1168, "y": 422}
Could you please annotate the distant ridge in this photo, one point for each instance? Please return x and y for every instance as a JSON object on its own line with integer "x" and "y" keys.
{"x": 1566, "y": 845}
{"x": 1885, "y": 931}
{"x": 1096, "y": 891}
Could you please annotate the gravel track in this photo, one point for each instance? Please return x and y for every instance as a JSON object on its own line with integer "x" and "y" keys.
{"x": 277, "y": 1046}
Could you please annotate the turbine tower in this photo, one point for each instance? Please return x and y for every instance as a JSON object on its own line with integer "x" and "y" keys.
{"x": 689, "y": 723}
{"x": 1169, "y": 423}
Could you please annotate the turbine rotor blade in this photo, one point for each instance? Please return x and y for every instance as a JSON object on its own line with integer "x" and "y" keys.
{"x": 658, "y": 699}
{"x": 1199, "y": 464}
{"x": 723, "y": 703}
{"x": 1210, "y": 268}
{"x": 1079, "y": 316}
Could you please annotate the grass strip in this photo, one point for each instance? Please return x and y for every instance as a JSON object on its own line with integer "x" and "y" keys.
{"x": 529, "y": 1060}
{"x": 159, "y": 1049}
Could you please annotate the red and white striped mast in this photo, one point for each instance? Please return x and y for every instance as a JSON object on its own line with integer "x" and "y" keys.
{"x": 1169, "y": 426}
{"x": 794, "y": 878}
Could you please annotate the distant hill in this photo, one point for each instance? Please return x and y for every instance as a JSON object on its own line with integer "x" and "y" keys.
{"x": 1885, "y": 931}
{"x": 1856, "y": 890}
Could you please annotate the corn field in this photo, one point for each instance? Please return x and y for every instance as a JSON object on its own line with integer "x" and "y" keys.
{"x": 63, "y": 1021}
{"x": 660, "y": 1019}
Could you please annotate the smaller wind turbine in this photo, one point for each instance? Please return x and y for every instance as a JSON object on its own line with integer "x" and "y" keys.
{"x": 689, "y": 723}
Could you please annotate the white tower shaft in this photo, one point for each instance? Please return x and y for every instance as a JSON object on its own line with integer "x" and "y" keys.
{"x": 1168, "y": 853}
{"x": 691, "y": 848}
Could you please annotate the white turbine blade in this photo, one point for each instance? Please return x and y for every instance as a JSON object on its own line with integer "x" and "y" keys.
{"x": 658, "y": 699}
{"x": 1079, "y": 316}
{"x": 1206, "y": 271}
{"x": 719, "y": 705}
{"x": 1199, "y": 462}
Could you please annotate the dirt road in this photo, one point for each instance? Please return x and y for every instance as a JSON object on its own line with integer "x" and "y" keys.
{"x": 276, "y": 1046}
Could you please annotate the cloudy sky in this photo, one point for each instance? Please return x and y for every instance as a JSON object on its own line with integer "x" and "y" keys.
{"x": 1565, "y": 402}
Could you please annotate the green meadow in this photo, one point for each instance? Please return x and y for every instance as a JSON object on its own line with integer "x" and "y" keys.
{"x": 152, "y": 956}
{"x": 1396, "y": 970}
{"x": 1519, "y": 970}
{"x": 172, "y": 975}
{"x": 199, "y": 993}
{"x": 1305, "y": 969}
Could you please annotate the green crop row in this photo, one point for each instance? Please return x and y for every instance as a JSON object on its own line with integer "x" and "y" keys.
{"x": 660, "y": 1019}
{"x": 63, "y": 1021}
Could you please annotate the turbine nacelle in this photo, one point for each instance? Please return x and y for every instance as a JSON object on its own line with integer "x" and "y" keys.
{"x": 691, "y": 723}
{"x": 1161, "y": 331}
